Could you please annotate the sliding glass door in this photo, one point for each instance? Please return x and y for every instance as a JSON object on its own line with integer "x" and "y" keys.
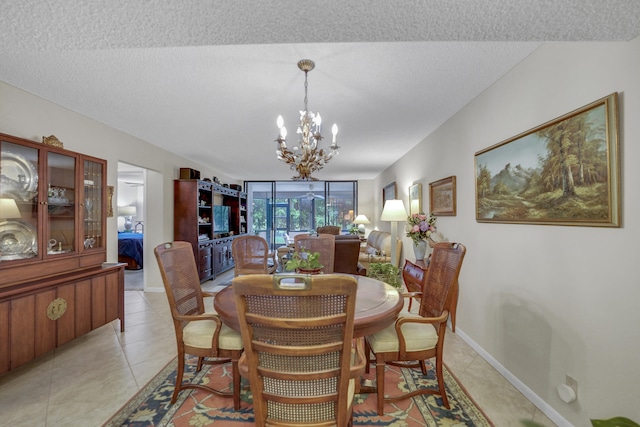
{"x": 277, "y": 209}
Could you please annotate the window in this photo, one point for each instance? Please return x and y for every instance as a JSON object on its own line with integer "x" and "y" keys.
{"x": 276, "y": 208}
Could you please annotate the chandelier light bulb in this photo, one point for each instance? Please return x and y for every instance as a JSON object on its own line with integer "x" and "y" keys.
{"x": 280, "y": 122}
{"x": 334, "y": 131}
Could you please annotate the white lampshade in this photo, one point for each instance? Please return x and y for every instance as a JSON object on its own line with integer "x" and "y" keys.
{"x": 9, "y": 209}
{"x": 127, "y": 211}
{"x": 393, "y": 211}
{"x": 361, "y": 219}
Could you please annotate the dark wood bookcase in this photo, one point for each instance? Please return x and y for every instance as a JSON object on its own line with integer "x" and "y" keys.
{"x": 196, "y": 204}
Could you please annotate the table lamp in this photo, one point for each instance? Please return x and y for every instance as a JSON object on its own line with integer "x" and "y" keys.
{"x": 361, "y": 220}
{"x": 9, "y": 209}
{"x": 394, "y": 211}
{"x": 127, "y": 212}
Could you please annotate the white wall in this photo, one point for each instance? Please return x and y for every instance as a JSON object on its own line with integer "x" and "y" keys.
{"x": 29, "y": 117}
{"x": 545, "y": 301}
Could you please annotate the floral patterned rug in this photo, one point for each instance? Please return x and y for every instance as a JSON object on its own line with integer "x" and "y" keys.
{"x": 152, "y": 405}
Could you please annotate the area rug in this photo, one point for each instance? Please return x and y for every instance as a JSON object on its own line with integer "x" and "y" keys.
{"x": 152, "y": 405}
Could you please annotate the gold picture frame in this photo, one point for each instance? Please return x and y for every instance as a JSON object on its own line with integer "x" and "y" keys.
{"x": 442, "y": 197}
{"x": 563, "y": 172}
{"x": 110, "y": 190}
{"x": 415, "y": 199}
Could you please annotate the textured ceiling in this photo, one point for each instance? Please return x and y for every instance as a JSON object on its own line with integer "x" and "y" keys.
{"x": 206, "y": 79}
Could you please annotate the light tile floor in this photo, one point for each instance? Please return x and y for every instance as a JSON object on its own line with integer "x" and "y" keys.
{"x": 87, "y": 380}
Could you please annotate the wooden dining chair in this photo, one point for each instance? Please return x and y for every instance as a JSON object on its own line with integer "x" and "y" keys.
{"x": 329, "y": 229}
{"x": 252, "y": 256}
{"x": 417, "y": 337}
{"x": 297, "y": 332}
{"x": 324, "y": 244}
{"x": 199, "y": 331}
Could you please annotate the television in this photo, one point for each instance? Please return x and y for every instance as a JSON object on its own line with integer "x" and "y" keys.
{"x": 221, "y": 216}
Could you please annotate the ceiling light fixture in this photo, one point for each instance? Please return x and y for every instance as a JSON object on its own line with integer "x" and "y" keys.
{"x": 306, "y": 158}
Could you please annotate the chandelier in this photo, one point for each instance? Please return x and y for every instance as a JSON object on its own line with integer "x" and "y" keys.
{"x": 306, "y": 157}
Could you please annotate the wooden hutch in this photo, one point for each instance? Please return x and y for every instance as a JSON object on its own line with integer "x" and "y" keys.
{"x": 54, "y": 283}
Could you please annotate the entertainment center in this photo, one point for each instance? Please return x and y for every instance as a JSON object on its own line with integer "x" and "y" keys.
{"x": 209, "y": 216}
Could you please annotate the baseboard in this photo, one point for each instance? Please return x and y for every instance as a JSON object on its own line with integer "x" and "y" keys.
{"x": 539, "y": 403}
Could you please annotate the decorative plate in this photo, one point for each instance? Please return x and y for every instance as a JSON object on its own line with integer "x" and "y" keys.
{"x": 17, "y": 240}
{"x": 19, "y": 179}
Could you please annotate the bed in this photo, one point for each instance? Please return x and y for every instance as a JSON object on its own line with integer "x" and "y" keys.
{"x": 130, "y": 250}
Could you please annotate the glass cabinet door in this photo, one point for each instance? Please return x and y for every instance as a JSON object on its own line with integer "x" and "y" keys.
{"x": 61, "y": 204}
{"x": 18, "y": 202}
{"x": 93, "y": 205}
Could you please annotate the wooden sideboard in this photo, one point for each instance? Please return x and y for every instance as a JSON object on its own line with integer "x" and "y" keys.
{"x": 39, "y": 316}
{"x": 414, "y": 275}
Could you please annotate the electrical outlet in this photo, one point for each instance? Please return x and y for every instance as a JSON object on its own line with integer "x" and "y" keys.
{"x": 572, "y": 382}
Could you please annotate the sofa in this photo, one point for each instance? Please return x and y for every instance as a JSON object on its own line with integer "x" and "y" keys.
{"x": 379, "y": 242}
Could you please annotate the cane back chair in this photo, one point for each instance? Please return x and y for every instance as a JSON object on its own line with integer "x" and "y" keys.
{"x": 199, "y": 332}
{"x": 297, "y": 333}
{"x": 324, "y": 244}
{"x": 417, "y": 337}
{"x": 251, "y": 256}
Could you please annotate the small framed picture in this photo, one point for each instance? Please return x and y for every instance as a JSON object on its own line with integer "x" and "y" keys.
{"x": 442, "y": 197}
{"x": 389, "y": 193}
{"x": 415, "y": 199}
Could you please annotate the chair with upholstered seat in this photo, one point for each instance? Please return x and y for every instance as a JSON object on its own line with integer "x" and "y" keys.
{"x": 252, "y": 256}
{"x": 199, "y": 331}
{"x": 324, "y": 244}
{"x": 417, "y": 337}
{"x": 299, "y": 352}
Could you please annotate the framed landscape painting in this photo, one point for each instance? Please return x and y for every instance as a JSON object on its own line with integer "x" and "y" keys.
{"x": 388, "y": 193}
{"x": 442, "y": 197}
{"x": 564, "y": 172}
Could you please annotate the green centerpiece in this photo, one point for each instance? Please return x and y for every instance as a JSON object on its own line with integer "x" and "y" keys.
{"x": 304, "y": 261}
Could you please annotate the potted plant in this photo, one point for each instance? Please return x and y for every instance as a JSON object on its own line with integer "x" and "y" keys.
{"x": 304, "y": 262}
{"x": 385, "y": 272}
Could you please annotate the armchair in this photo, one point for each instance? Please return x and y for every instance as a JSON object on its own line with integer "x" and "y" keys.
{"x": 416, "y": 337}
{"x": 198, "y": 331}
{"x": 323, "y": 244}
{"x": 298, "y": 347}
{"x": 251, "y": 255}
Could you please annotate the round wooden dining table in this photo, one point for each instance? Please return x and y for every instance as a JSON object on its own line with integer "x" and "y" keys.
{"x": 377, "y": 306}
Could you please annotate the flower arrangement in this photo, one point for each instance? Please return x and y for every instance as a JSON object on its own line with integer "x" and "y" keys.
{"x": 420, "y": 226}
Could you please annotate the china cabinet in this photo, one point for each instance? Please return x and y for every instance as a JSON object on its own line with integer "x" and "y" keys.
{"x": 54, "y": 285}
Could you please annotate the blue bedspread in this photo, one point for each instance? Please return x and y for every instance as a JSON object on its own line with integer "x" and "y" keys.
{"x": 130, "y": 244}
